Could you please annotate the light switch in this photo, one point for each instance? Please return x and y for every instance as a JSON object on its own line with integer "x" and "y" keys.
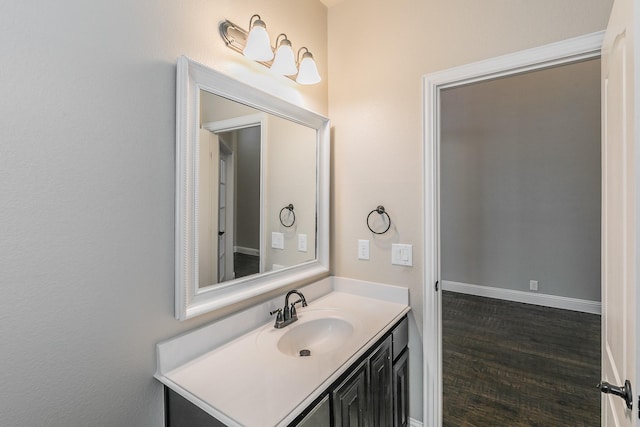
{"x": 302, "y": 242}
{"x": 402, "y": 254}
{"x": 277, "y": 240}
{"x": 363, "y": 249}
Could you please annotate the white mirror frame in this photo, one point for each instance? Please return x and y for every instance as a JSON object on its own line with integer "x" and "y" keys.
{"x": 190, "y": 300}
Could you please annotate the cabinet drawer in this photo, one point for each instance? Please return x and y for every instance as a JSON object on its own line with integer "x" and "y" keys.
{"x": 400, "y": 337}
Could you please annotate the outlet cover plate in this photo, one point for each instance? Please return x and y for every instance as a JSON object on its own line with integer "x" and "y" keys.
{"x": 302, "y": 242}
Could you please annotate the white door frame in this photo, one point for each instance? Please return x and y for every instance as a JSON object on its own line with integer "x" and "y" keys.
{"x": 563, "y": 52}
{"x": 243, "y": 122}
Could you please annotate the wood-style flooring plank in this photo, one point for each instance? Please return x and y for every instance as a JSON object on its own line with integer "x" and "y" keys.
{"x": 514, "y": 364}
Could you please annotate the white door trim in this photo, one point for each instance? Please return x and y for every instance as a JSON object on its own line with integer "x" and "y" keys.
{"x": 243, "y": 122}
{"x": 567, "y": 51}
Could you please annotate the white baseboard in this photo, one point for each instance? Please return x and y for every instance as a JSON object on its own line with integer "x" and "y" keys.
{"x": 574, "y": 304}
{"x": 246, "y": 251}
{"x": 414, "y": 423}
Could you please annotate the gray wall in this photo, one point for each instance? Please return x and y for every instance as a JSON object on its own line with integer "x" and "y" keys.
{"x": 248, "y": 188}
{"x": 87, "y": 153}
{"x": 521, "y": 182}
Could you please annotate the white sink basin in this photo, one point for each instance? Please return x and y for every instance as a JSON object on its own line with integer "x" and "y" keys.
{"x": 320, "y": 331}
{"x": 316, "y": 336}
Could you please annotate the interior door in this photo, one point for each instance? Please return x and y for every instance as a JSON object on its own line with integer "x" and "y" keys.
{"x": 620, "y": 210}
{"x": 226, "y": 215}
{"x": 222, "y": 220}
{"x": 208, "y": 193}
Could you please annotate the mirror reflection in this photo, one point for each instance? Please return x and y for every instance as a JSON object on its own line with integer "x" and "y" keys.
{"x": 257, "y": 181}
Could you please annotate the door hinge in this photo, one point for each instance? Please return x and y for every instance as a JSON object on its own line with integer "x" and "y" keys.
{"x": 437, "y": 281}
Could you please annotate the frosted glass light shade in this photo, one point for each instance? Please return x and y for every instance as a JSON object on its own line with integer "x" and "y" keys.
{"x": 258, "y": 45}
{"x": 308, "y": 74}
{"x": 285, "y": 63}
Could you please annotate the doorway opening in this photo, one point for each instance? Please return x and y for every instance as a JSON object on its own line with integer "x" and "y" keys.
{"x": 520, "y": 221}
{"x": 573, "y": 51}
{"x": 236, "y": 157}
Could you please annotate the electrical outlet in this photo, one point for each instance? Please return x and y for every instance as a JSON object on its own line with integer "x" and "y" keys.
{"x": 533, "y": 285}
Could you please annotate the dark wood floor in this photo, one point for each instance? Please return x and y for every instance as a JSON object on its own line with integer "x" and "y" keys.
{"x": 245, "y": 265}
{"x": 512, "y": 364}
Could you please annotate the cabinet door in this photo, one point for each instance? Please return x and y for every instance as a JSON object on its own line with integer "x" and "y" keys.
{"x": 320, "y": 415}
{"x": 381, "y": 383}
{"x": 179, "y": 412}
{"x": 350, "y": 400}
{"x": 401, "y": 391}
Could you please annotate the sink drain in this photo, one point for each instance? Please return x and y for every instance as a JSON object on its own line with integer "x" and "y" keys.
{"x": 305, "y": 352}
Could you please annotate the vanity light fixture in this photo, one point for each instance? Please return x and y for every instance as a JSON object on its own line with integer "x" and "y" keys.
{"x": 258, "y": 48}
{"x": 284, "y": 63}
{"x": 308, "y": 73}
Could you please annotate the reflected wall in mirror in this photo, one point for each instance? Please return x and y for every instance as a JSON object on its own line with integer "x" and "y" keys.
{"x": 252, "y": 192}
{"x": 253, "y": 164}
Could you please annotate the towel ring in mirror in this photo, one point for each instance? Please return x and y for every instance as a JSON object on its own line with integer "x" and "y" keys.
{"x": 289, "y": 219}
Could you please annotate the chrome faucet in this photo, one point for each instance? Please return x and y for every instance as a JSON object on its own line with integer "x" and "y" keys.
{"x": 288, "y": 314}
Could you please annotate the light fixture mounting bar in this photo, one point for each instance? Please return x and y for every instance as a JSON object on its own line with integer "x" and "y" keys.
{"x": 233, "y": 36}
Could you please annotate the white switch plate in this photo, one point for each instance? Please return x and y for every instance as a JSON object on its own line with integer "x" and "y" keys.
{"x": 402, "y": 254}
{"x": 533, "y": 285}
{"x": 302, "y": 242}
{"x": 277, "y": 240}
{"x": 363, "y": 249}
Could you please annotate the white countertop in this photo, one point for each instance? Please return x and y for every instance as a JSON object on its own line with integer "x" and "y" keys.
{"x": 248, "y": 382}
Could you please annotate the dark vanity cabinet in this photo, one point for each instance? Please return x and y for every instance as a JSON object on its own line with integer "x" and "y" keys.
{"x": 381, "y": 385}
{"x": 319, "y": 415}
{"x": 374, "y": 392}
{"x": 364, "y": 398}
{"x": 401, "y": 391}
{"x": 350, "y": 399}
{"x": 400, "y": 374}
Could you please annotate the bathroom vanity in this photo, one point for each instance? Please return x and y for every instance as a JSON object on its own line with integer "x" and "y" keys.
{"x": 374, "y": 391}
{"x": 356, "y": 373}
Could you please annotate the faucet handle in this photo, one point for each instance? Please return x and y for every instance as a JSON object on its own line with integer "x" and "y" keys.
{"x": 292, "y": 310}
{"x": 279, "y": 317}
{"x": 301, "y": 300}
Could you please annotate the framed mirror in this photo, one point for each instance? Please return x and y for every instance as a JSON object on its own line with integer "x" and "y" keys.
{"x": 252, "y": 191}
